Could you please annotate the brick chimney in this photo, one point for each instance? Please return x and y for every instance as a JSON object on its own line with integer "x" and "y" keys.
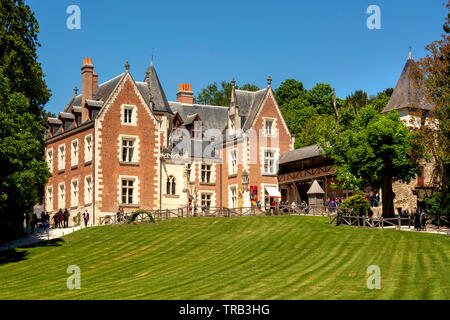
{"x": 87, "y": 85}
{"x": 185, "y": 93}
{"x": 94, "y": 81}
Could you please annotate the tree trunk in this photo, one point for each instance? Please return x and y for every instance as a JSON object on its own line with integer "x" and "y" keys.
{"x": 388, "y": 199}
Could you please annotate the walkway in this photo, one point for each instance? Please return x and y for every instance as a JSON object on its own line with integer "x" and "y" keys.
{"x": 38, "y": 236}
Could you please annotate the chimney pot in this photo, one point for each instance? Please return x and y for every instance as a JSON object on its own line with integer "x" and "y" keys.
{"x": 185, "y": 93}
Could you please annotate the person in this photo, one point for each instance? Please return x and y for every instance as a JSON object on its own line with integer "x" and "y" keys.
{"x": 371, "y": 199}
{"x": 118, "y": 215}
{"x": 33, "y": 222}
{"x": 417, "y": 220}
{"x": 293, "y": 206}
{"x": 259, "y": 204}
{"x": 55, "y": 220}
{"x": 86, "y": 218}
{"x": 195, "y": 210}
{"x": 377, "y": 199}
{"x": 423, "y": 220}
{"x": 66, "y": 216}
{"x": 60, "y": 218}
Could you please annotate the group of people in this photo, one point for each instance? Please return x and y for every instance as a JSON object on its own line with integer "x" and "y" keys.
{"x": 333, "y": 204}
{"x": 374, "y": 199}
{"x": 61, "y": 219}
{"x": 420, "y": 220}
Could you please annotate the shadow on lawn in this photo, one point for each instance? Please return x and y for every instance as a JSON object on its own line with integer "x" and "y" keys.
{"x": 13, "y": 255}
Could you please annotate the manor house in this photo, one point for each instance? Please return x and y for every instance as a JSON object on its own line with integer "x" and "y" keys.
{"x": 123, "y": 144}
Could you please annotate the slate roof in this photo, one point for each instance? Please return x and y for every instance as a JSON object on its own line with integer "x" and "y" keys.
{"x": 213, "y": 117}
{"x": 249, "y": 103}
{"x": 300, "y": 154}
{"x": 159, "y": 97}
{"x": 67, "y": 115}
{"x": 405, "y": 94}
{"x": 315, "y": 188}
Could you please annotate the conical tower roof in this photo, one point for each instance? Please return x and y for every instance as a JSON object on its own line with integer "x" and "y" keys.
{"x": 405, "y": 94}
{"x": 315, "y": 188}
{"x": 159, "y": 97}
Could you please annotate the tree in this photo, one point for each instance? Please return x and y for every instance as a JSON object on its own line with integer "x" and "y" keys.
{"x": 375, "y": 150}
{"x": 381, "y": 100}
{"x": 432, "y": 75}
{"x": 357, "y": 100}
{"x": 289, "y": 90}
{"x": 212, "y": 95}
{"x": 320, "y": 96}
{"x": 23, "y": 93}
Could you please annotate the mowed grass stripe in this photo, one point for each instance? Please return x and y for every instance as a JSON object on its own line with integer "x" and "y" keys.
{"x": 288, "y": 257}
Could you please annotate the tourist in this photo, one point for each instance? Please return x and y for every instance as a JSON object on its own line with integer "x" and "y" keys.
{"x": 66, "y": 216}
{"x": 371, "y": 199}
{"x": 293, "y": 206}
{"x": 86, "y": 218}
{"x": 377, "y": 199}
{"x": 417, "y": 224}
{"x": 259, "y": 204}
{"x": 423, "y": 220}
{"x": 33, "y": 222}
{"x": 195, "y": 210}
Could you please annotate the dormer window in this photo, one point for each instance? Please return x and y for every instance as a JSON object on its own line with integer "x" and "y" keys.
{"x": 177, "y": 130}
{"x": 197, "y": 130}
{"x": 129, "y": 116}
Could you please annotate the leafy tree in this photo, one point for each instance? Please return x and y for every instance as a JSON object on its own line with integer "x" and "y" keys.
{"x": 381, "y": 100}
{"x": 432, "y": 75}
{"x": 215, "y": 96}
{"x": 375, "y": 151}
{"x": 320, "y": 97}
{"x": 357, "y": 100}
{"x": 23, "y": 93}
{"x": 289, "y": 90}
{"x": 315, "y": 130}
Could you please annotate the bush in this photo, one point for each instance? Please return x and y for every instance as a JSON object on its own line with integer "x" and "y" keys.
{"x": 358, "y": 204}
{"x": 77, "y": 220}
{"x": 438, "y": 204}
{"x": 134, "y": 215}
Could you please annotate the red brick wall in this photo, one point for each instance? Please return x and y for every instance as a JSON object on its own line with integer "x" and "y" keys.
{"x": 69, "y": 173}
{"x": 110, "y": 168}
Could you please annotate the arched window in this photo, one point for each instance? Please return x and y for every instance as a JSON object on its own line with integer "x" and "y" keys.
{"x": 171, "y": 185}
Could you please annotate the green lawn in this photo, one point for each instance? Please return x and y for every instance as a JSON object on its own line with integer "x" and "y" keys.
{"x": 288, "y": 257}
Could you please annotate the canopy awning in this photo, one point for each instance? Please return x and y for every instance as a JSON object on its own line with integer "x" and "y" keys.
{"x": 273, "y": 192}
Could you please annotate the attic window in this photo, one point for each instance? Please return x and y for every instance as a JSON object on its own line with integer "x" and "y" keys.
{"x": 177, "y": 130}
{"x": 197, "y": 130}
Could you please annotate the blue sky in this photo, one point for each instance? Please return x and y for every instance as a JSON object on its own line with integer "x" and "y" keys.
{"x": 200, "y": 42}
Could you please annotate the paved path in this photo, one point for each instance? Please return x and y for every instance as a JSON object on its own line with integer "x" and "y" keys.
{"x": 38, "y": 236}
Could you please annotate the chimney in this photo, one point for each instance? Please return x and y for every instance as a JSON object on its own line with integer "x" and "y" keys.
{"x": 87, "y": 75}
{"x": 94, "y": 81}
{"x": 185, "y": 93}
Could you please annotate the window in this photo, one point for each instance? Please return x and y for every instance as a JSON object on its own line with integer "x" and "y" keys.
{"x": 206, "y": 200}
{"x": 197, "y": 132}
{"x": 128, "y": 115}
{"x": 74, "y": 194}
{"x": 177, "y": 130}
{"x": 88, "y": 148}
{"x": 232, "y": 162}
{"x": 233, "y": 197}
{"x": 269, "y": 125}
{"x": 87, "y": 190}
{"x": 171, "y": 186}
{"x": 206, "y": 173}
{"x": 128, "y": 149}
{"x": 50, "y": 160}
{"x": 269, "y": 162}
{"x": 49, "y": 200}
{"x": 127, "y": 191}
{"x": 61, "y": 195}
{"x": 62, "y": 157}
{"x": 74, "y": 155}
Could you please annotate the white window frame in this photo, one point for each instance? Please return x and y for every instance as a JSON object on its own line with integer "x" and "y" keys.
{"x": 171, "y": 185}
{"x": 133, "y": 120}
{"x": 135, "y": 195}
{"x": 74, "y": 193}
{"x": 61, "y": 157}
{"x": 88, "y": 148}
{"x": 62, "y": 197}
{"x": 49, "y": 199}
{"x": 49, "y": 155}
{"x": 87, "y": 192}
{"x": 210, "y": 200}
{"x": 274, "y": 159}
{"x": 135, "y": 156}
{"x": 233, "y": 197}
{"x": 74, "y": 152}
{"x": 273, "y": 127}
{"x": 232, "y": 161}
{"x": 204, "y": 168}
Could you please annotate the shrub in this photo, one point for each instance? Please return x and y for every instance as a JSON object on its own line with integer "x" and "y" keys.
{"x": 134, "y": 215}
{"x": 77, "y": 219}
{"x": 358, "y": 204}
